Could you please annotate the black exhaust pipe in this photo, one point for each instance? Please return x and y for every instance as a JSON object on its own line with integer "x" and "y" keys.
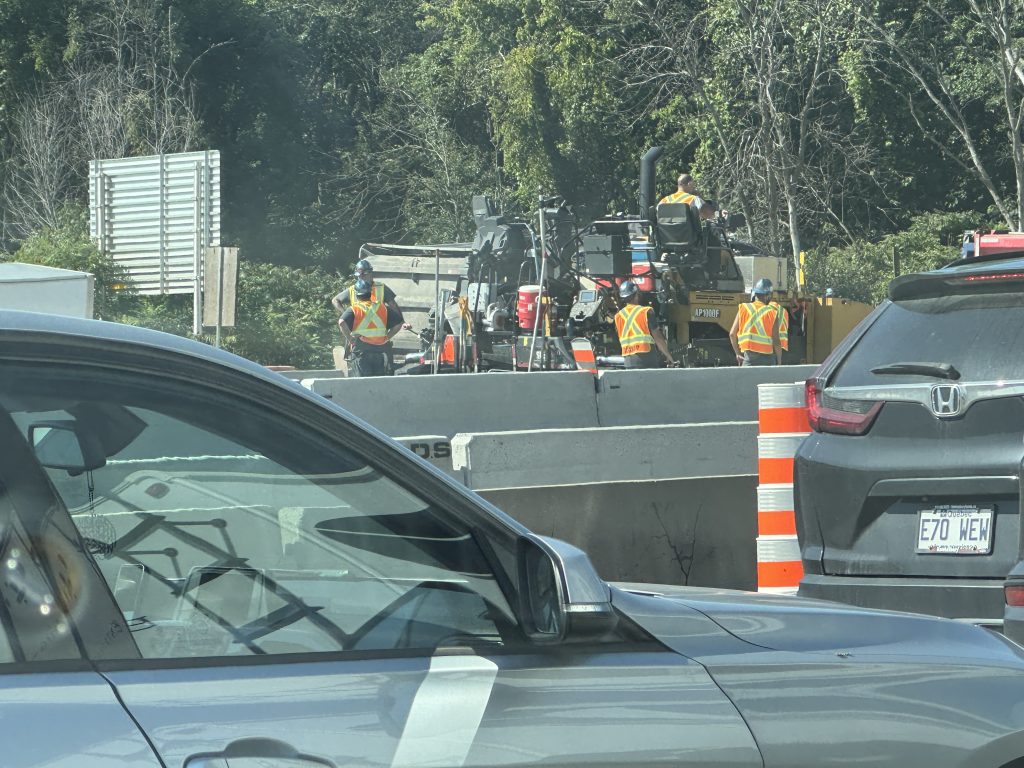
{"x": 647, "y": 180}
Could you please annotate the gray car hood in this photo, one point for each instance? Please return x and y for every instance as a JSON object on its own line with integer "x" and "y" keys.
{"x": 708, "y": 622}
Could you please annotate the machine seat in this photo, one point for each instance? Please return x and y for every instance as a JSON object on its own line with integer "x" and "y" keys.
{"x": 678, "y": 226}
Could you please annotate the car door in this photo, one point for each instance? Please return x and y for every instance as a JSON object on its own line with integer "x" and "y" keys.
{"x": 302, "y": 594}
{"x": 55, "y": 709}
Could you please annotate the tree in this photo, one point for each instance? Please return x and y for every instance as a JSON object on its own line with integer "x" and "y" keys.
{"x": 956, "y": 67}
{"x": 120, "y": 94}
{"x": 760, "y": 84}
{"x": 863, "y": 270}
{"x": 285, "y": 316}
{"x": 412, "y": 174}
{"x": 545, "y": 73}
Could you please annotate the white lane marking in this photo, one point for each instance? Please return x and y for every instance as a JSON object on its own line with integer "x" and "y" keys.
{"x": 446, "y": 713}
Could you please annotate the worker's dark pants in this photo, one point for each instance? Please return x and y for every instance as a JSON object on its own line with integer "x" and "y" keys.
{"x": 758, "y": 358}
{"x": 370, "y": 360}
{"x": 649, "y": 359}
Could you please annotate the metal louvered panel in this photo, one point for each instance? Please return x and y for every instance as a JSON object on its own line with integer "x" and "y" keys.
{"x": 155, "y": 215}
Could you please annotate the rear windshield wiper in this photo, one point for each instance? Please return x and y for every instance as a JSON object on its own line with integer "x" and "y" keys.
{"x": 938, "y": 370}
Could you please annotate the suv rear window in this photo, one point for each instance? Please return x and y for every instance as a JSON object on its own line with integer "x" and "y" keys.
{"x": 981, "y": 335}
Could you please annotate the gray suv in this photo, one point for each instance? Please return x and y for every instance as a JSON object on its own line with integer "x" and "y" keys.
{"x": 907, "y": 491}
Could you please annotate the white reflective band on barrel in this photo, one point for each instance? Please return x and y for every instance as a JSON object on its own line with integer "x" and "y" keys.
{"x": 777, "y": 549}
{"x": 775, "y": 497}
{"x": 780, "y": 395}
{"x": 446, "y": 713}
{"x": 778, "y": 590}
{"x": 781, "y": 446}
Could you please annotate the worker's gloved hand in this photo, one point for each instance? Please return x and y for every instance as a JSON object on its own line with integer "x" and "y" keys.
{"x": 406, "y": 326}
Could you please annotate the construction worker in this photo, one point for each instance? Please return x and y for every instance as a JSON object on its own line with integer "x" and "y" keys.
{"x": 686, "y": 192}
{"x": 364, "y": 271}
{"x": 638, "y": 330}
{"x": 368, "y": 325}
{"x": 755, "y": 331}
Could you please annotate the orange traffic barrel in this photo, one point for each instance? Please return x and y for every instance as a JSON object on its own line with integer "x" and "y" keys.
{"x": 782, "y": 426}
{"x": 781, "y": 409}
{"x": 775, "y": 515}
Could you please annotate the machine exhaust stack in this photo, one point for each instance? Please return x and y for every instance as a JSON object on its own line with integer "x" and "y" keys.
{"x": 647, "y": 180}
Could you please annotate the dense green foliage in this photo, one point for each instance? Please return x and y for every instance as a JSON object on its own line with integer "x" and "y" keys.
{"x": 841, "y": 128}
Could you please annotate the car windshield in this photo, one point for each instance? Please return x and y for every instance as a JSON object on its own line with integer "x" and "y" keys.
{"x": 972, "y": 333}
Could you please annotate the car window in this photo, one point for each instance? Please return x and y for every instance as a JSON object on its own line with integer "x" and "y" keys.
{"x": 981, "y": 335}
{"x": 226, "y": 529}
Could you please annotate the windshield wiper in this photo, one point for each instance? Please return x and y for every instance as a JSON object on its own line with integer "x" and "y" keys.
{"x": 938, "y": 370}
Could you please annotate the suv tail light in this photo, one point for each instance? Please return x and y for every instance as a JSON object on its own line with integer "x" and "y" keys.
{"x": 995, "y": 277}
{"x": 1014, "y": 594}
{"x": 840, "y": 417}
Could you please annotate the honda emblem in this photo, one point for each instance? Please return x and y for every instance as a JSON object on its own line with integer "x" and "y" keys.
{"x": 946, "y": 400}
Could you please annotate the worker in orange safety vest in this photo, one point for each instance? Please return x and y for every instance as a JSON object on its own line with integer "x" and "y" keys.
{"x": 638, "y": 330}
{"x": 368, "y": 325}
{"x": 755, "y": 331}
{"x": 686, "y": 192}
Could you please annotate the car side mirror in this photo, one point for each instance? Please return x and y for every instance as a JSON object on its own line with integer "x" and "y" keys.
{"x": 564, "y": 600}
{"x": 59, "y": 445}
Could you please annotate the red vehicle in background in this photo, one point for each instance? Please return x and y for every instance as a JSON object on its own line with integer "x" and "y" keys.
{"x": 996, "y": 242}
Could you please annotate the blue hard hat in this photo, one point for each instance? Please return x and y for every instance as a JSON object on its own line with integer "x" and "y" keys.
{"x": 628, "y": 289}
{"x": 363, "y": 266}
{"x": 763, "y": 287}
{"x": 363, "y": 288}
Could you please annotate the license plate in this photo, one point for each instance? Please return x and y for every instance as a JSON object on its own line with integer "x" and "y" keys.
{"x": 955, "y": 529}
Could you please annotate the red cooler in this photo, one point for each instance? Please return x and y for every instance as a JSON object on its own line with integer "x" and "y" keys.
{"x": 526, "y": 307}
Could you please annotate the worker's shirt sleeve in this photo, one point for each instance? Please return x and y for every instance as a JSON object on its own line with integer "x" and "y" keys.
{"x": 395, "y": 318}
{"x": 348, "y": 317}
{"x": 653, "y": 322}
{"x": 389, "y": 295}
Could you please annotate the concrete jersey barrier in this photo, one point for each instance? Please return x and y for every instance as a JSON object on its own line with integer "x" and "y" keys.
{"x": 495, "y": 402}
{"x": 688, "y": 395}
{"x": 470, "y": 402}
{"x": 530, "y": 458}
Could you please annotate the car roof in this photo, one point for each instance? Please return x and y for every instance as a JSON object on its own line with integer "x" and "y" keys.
{"x": 937, "y": 281}
{"x": 999, "y": 261}
{"x": 18, "y": 322}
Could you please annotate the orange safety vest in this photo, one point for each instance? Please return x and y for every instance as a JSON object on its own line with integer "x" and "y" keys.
{"x": 757, "y": 322}
{"x": 373, "y": 293}
{"x": 678, "y": 197}
{"x": 631, "y": 322}
{"x": 370, "y": 320}
{"x": 783, "y": 326}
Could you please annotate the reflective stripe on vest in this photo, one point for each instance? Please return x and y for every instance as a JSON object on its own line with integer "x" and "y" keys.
{"x": 757, "y": 321}
{"x": 678, "y": 197}
{"x": 373, "y": 293}
{"x": 370, "y": 321}
{"x": 783, "y": 326}
{"x": 634, "y": 331}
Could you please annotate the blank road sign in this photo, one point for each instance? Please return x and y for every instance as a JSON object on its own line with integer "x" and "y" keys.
{"x": 156, "y": 216}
